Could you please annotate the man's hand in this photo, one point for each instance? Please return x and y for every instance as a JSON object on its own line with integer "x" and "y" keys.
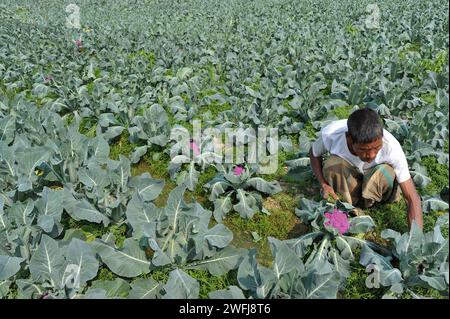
{"x": 327, "y": 190}
{"x": 316, "y": 166}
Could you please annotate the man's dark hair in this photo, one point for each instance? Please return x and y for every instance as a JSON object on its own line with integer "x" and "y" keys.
{"x": 365, "y": 126}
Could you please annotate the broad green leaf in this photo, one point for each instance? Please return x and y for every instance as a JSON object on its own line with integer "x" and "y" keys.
{"x": 7, "y": 129}
{"x": 385, "y": 273}
{"x": 258, "y": 279}
{"x": 437, "y": 283}
{"x": 29, "y": 159}
{"x": 189, "y": 177}
{"x": 113, "y": 288}
{"x": 433, "y": 204}
{"x": 145, "y": 289}
{"x": 340, "y": 265}
{"x": 27, "y": 289}
{"x": 181, "y": 286}
{"x": 9, "y": 266}
{"x": 82, "y": 265}
{"x": 263, "y": 186}
{"x": 4, "y": 288}
{"x": 298, "y": 162}
{"x": 183, "y": 73}
{"x": 410, "y": 242}
{"x": 217, "y": 187}
{"x": 50, "y": 208}
{"x": 100, "y": 148}
{"x": 47, "y": 263}
{"x": 22, "y": 212}
{"x": 127, "y": 262}
{"x": 175, "y": 206}
{"x": 231, "y": 292}
{"x": 147, "y": 187}
{"x": 420, "y": 175}
{"x": 221, "y": 263}
{"x": 321, "y": 286}
{"x": 222, "y": 206}
{"x": 301, "y": 244}
{"x": 219, "y": 236}
{"x": 138, "y": 153}
{"x": 96, "y": 293}
{"x": 82, "y": 210}
{"x": 139, "y": 213}
{"x": 390, "y": 234}
{"x": 285, "y": 259}
{"x": 93, "y": 177}
{"x": 361, "y": 224}
{"x": 246, "y": 206}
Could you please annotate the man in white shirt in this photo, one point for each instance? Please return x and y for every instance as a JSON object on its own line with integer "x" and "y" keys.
{"x": 366, "y": 164}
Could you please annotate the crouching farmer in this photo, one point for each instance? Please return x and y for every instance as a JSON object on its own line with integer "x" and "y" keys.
{"x": 366, "y": 164}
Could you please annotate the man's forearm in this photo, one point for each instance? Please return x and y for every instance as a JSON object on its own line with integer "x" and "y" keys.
{"x": 316, "y": 166}
{"x": 415, "y": 212}
{"x": 413, "y": 202}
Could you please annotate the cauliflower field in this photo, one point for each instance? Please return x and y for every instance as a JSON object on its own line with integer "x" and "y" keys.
{"x": 96, "y": 200}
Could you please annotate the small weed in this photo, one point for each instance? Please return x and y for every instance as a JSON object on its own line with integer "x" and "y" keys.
{"x": 355, "y": 286}
{"x": 281, "y": 224}
{"x": 105, "y": 274}
{"x": 157, "y": 166}
{"x": 342, "y": 112}
{"x": 437, "y": 64}
{"x": 122, "y": 146}
{"x": 209, "y": 283}
{"x": 310, "y": 130}
{"x": 438, "y": 174}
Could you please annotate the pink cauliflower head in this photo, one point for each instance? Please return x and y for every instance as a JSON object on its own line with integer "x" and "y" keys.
{"x": 338, "y": 220}
{"x": 194, "y": 147}
{"x": 238, "y": 170}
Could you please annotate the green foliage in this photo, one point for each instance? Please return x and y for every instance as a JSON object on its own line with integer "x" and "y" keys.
{"x": 119, "y": 232}
{"x": 121, "y": 146}
{"x": 199, "y": 193}
{"x": 425, "y": 292}
{"x": 253, "y": 61}
{"x": 408, "y": 48}
{"x": 105, "y": 274}
{"x": 428, "y": 97}
{"x": 149, "y": 57}
{"x": 392, "y": 215}
{"x": 281, "y": 224}
{"x": 215, "y": 108}
{"x": 157, "y": 164}
{"x": 437, "y": 64}
{"x": 310, "y": 130}
{"x": 210, "y": 283}
{"x": 240, "y": 191}
{"x": 438, "y": 174}
{"x": 88, "y": 127}
{"x": 281, "y": 169}
{"x": 342, "y": 112}
{"x": 355, "y": 286}
{"x": 160, "y": 274}
{"x": 351, "y": 29}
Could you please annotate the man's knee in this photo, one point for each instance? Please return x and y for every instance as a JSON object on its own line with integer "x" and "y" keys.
{"x": 380, "y": 184}
{"x": 382, "y": 174}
